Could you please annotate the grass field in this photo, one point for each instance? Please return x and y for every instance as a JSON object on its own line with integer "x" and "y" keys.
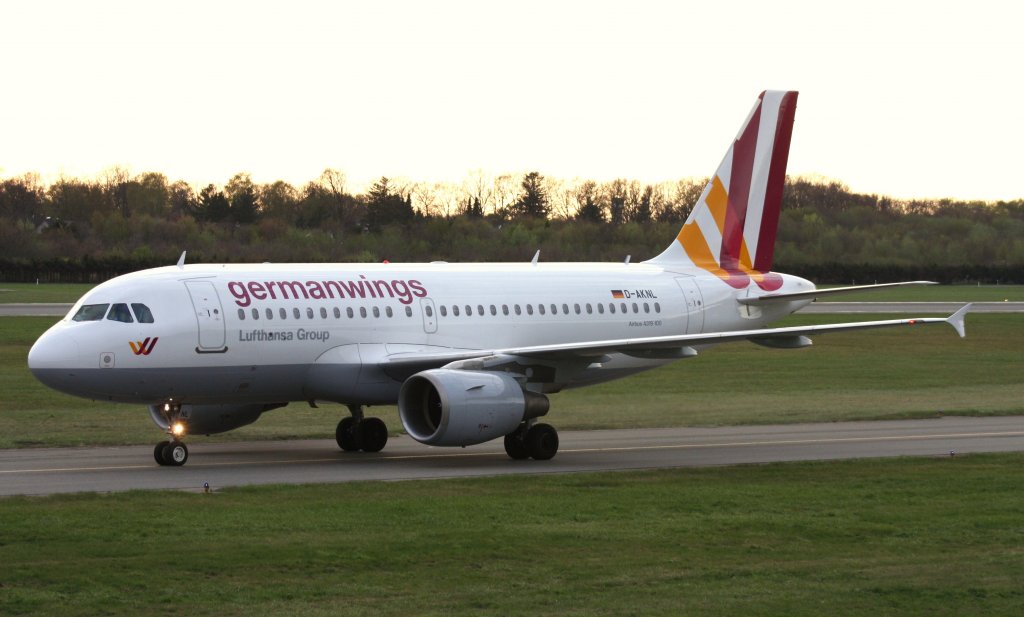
{"x": 11, "y": 293}
{"x": 897, "y": 373}
{"x": 897, "y": 536}
{"x": 14, "y": 293}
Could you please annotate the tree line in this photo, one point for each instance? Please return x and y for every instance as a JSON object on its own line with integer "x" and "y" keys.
{"x": 90, "y": 229}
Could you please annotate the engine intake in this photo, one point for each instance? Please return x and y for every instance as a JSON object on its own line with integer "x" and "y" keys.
{"x": 447, "y": 407}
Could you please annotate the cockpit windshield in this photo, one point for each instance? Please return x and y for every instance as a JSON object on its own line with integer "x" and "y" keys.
{"x": 120, "y": 312}
{"x": 91, "y": 312}
{"x": 142, "y": 313}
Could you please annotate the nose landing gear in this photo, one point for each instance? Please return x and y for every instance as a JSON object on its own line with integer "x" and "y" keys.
{"x": 172, "y": 453}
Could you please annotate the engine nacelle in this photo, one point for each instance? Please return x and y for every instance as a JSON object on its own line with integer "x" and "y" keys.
{"x": 446, "y": 407}
{"x": 209, "y": 419}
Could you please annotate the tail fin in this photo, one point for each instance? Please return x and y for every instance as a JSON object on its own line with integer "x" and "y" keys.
{"x": 731, "y": 230}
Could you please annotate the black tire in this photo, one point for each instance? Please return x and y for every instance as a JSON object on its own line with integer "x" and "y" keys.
{"x": 175, "y": 454}
{"x": 542, "y": 441}
{"x": 373, "y": 434}
{"x": 158, "y": 453}
{"x": 515, "y": 445}
{"x": 347, "y": 434}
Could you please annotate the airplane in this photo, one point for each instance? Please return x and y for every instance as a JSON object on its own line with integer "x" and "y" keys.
{"x": 469, "y": 352}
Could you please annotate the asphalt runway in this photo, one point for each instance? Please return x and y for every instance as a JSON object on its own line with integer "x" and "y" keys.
{"x": 111, "y": 469}
{"x": 942, "y": 308}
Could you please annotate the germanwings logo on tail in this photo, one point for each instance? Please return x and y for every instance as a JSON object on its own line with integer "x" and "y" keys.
{"x": 731, "y": 230}
{"x": 145, "y": 347}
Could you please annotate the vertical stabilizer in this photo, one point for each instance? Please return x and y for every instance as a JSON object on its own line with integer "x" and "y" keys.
{"x": 731, "y": 230}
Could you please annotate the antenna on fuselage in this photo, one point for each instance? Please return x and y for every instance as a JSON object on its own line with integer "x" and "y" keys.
{"x": 536, "y": 257}
{"x": 181, "y": 261}
{"x": 627, "y": 259}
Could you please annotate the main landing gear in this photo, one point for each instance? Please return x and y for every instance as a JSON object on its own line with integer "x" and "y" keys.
{"x": 536, "y": 441}
{"x": 358, "y": 433}
{"x": 172, "y": 452}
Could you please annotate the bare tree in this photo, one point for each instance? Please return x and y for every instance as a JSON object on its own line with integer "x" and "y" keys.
{"x": 479, "y": 187}
{"x": 506, "y": 191}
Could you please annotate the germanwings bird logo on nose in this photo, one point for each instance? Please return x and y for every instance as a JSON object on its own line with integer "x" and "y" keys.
{"x": 145, "y": 347}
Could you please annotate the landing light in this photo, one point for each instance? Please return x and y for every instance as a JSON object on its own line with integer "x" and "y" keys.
{"x": 178, "y": 429}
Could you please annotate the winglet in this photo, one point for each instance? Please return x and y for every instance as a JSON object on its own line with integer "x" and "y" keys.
{"x": 181, "y": 261}
{"x": 957, "y": 320}
{"x": 536, "y": 258}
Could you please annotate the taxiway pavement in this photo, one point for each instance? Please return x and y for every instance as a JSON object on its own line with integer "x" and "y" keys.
{"x": 109, "y": 469}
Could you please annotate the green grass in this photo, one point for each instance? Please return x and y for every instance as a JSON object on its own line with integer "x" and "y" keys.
{"x": 17, "y": 293}
{"x": 935, "y": 293}
{"x": 881, "y": 374}
{"x": 894, "y": 536}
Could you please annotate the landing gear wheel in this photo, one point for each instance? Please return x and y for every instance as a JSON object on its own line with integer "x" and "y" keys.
{"x": 373, "y": 434}
{"x": 348, "y": 435}
{"x": 515, "y": 444}
{"x": 542, "y": 441}
{"x": 175, "y": 454}
{"x": 158, "y": 452}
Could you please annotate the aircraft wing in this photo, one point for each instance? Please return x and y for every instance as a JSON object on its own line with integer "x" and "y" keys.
{"x": 676, "y": 346}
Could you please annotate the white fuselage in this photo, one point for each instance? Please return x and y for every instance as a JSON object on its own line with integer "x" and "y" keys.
{"x": 294, "y": 332}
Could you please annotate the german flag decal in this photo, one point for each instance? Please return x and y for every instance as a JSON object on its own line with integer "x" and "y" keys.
{"x": 617, "y": 294}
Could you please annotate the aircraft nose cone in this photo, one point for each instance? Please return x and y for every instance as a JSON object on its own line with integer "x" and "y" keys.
{"x": 52, "y": 351}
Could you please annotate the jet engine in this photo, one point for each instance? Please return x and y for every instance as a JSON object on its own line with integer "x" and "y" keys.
{"x": 447, "y": 407}
{"x": 209, "y": 419}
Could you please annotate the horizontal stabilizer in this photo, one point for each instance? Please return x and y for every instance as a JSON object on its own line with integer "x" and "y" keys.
{"x": 820, "y": 293}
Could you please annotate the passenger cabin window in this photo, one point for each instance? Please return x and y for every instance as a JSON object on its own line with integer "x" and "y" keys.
{"x": 284, "y": 314}
{"x": 120, "y": 312}
{"x": 295, "y": 313}
{"x": 241, "y": 314}
{"x": 142, "y": 313}
{"x": 362, "y": 312}
{"x": 255, "y": 313}
{"x": 91, "y": 312}
{"x": 309, "y": 312}
{"x": 444, "y": 311}
{"x": 348, "y": 311}
{"x": 388, "y": 312}
{"x": 455, "y": 310}
{"x": 270, "y": 313}
{"x": 337, "y": 313}
{"x": 376, "y": 311}
{"x": 408, "y": 311}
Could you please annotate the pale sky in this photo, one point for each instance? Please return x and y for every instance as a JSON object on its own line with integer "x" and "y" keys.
{"x": 909, "y": 99}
